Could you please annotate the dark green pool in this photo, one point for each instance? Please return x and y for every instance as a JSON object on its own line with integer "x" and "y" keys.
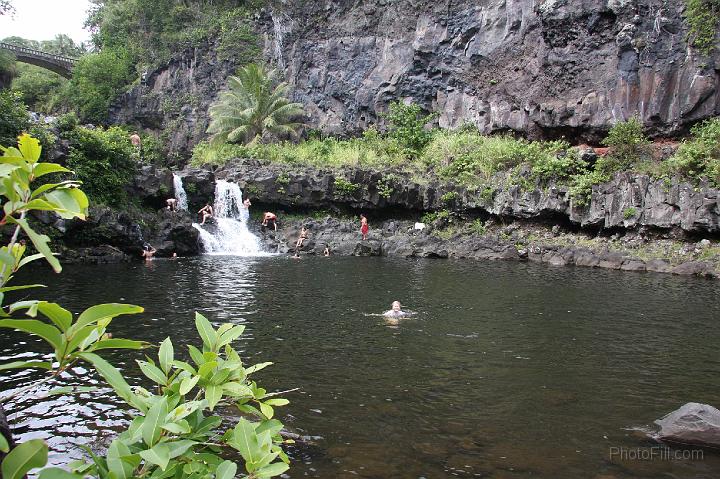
{"x": 507, "y": 370}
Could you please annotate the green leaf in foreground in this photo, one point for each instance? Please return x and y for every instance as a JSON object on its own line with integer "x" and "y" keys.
{"x": 25, "y": 457}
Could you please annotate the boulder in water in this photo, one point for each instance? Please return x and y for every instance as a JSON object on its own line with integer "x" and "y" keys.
{"x": 693, "y": 423}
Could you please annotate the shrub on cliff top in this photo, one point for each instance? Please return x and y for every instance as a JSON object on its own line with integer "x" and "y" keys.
{"x": 407, "y": 127}
{"x": 628, "y": 144}
{"x": 698, "y": 156}
{"x": 98, "y": 78}
{"x": 703, "y": 17}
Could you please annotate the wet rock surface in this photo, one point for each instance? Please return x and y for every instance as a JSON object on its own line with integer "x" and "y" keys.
{"x": 109, "y": 235}
{"x": 692, "y": 423}
{"x": 399, "y": 238}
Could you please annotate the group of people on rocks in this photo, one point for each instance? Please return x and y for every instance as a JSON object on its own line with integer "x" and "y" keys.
{"x": 269, "y": 220}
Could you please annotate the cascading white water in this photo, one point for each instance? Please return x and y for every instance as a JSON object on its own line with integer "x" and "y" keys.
{"x": 229, "y": 234}
{"x": 180, "y": 194}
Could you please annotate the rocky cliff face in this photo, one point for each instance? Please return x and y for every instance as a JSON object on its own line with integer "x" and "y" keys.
{"x": 629, "y": 201}
{"x": 174, "y": 100}
{"x": 544, "y": 68}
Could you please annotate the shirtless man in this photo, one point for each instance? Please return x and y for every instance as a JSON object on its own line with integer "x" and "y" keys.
{"x": 171, "y": 204}
{"x": 206, "y": 212}
{"x": 269, "y": 218}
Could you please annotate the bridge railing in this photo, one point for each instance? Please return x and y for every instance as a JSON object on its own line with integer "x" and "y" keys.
{"x": 37, "y": 53}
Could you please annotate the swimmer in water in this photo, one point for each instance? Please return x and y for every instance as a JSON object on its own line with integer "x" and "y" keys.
{"x": 395, "y": 312}
{"x": 148, "y": 252}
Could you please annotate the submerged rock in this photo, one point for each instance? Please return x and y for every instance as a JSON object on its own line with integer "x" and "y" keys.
{"x": 692, "y": 423}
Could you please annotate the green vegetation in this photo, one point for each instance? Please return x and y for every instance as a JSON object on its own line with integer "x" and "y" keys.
{"x": 629, "y": 148}
{"x": 98, "y": 78}
{"x": 432, "y": 216}
{"x": 703, "y": 17}
{"x": 150, "y": 31}
{"x": 14, "y": 117}
{"x": 39, "y": 88}
{"x": 698, "y": 156}
{"x": 174, "y": 432}
{"x": 407, "y": 127}
{"x": 105, "y": 161}
{"x": 449, "y": 197}
{"x": 478, "y": 227}
{"x": 345, "y": 187}
{"x": 629, "y": 212}
{"x": 385, "y": 186}
{"x": 253, "y": 109}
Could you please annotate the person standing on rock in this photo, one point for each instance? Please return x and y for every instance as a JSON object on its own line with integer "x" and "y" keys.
{"x": 245, "y": 210}
{"x": 269, "y": 218}
{"x": 171, "y": 204}
{"x": 137, "y": 143}
{"x": 364, "y": 228}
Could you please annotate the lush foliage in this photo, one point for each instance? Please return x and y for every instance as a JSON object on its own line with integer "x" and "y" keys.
{"x": 703, "y": 17}
{"x": 628, "y": 144}
{"x": 149, "y": 31}
{"x": 345, "y": 187}
{"x": 471, "y": 158}
{"x": 105, "y": 161}
{"x": 14, "y": 117}
{"x": 39, "y": 88}
{"x": 407, "y": 126}
{"x": 174, "y": 433}
{"x": 253, "y": 108}
{"x": 699, "y": 156}
{"x": 97, "y": 80}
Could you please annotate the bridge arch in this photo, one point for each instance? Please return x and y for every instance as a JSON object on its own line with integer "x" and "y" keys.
{"x": 59, "y": 64}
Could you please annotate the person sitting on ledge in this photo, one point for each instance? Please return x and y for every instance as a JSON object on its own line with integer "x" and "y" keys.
{"x": 206, "y": 212}
{"x": 395, "y": 312}
{"x": 302, "y": 238}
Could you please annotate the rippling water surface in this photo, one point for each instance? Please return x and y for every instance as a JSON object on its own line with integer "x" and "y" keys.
{"x": 507, "y": 370}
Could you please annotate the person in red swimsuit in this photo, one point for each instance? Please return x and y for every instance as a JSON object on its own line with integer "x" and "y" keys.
{"x": 364, "y": 228}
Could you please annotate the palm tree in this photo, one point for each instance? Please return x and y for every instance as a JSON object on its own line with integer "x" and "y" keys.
{"x": 253, "y": 108}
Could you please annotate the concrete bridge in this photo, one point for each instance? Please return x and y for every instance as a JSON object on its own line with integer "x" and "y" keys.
{"x": 59, "y": 64}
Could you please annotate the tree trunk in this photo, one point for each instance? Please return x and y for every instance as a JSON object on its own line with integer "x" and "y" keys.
{"x": 5, "y": 431}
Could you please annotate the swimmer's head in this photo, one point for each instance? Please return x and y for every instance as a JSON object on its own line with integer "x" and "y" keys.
{"x": 396, "y": 306}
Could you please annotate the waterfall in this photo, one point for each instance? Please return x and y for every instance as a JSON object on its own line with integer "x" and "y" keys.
{"x": 180, "y": 194}
{"x": 282, "y": 25}
{"x": 227, "y": 233}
